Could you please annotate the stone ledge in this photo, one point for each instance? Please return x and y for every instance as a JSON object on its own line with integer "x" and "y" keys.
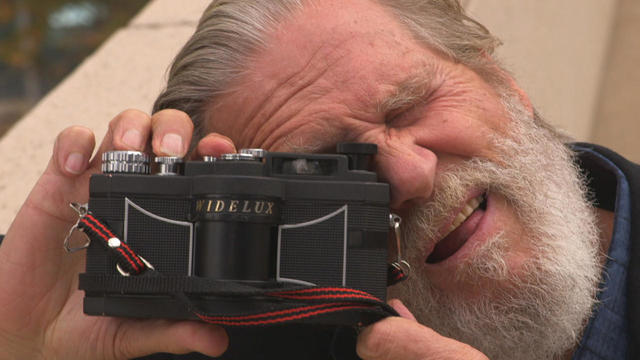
{"x": 166, "y": 12}
{"x": 128, "y": 71}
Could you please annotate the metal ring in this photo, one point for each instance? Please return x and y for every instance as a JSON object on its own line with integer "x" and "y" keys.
{"x": 402, "y": 265}
{"x": 406, "y": 269}
{"x": 67, "y": 240}
{"x": 394, "y": 220}
{"x": 124, "y": 273}
{"x": 82, "y": 210}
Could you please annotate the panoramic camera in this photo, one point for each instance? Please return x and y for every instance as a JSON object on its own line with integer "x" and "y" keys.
{"x": 224, "y": 232}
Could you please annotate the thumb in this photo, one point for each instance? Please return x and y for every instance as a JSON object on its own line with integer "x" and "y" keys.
{"x": 137, "y": 338}
{"x": 404, "y": 338}
{"x": 402, "y": 310}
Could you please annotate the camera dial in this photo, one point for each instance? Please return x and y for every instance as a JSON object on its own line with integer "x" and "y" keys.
{"x": 168, "y": 165}
{"x": 125, "y": 162}
{"x": 258, "y": 154}
{"x": 237, "y": 156}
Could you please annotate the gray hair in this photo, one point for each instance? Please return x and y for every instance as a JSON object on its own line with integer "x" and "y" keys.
{"x": 231, "y": 31}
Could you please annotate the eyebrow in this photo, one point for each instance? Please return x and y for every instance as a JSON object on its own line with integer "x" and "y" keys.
{"x": 316, "y": 143}
{"x": 408, "y": 93}
{"x": 299, "y": 147}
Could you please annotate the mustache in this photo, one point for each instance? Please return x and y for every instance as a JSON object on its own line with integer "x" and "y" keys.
{"x": 538, "y": 308}
{"x": 423, "y": 225}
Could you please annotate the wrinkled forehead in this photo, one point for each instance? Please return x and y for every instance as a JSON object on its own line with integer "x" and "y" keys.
{"x": 351, "y": 46}
{"x": 327, "y": 30}
{"x": 352, "y": 49}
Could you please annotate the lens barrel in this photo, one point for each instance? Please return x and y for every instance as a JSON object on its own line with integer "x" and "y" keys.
{"x": 236, "y": 238}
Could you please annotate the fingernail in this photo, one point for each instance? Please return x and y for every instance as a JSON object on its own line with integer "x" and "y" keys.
{"x": 232, "y": 146}
{"x": 74, "y": 163}
{"x": 171, "y": 144}
{"x": 133, "y": 139}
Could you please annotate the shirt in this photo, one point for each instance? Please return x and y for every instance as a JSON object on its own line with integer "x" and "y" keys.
{"x": 606, "y": 335}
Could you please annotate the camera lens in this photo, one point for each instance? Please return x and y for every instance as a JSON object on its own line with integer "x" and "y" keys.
{"x": 235, "y": 238}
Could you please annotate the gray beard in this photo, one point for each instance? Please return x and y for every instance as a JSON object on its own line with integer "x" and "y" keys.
{"x": 540, "y": 310}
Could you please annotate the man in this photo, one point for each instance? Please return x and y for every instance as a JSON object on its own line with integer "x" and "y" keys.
{"x": 506, "y": 249}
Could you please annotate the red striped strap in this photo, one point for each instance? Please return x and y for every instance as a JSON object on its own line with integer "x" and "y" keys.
{"x": 297, "y": 305}
{"x": 128, "y": 261}
{"x": 302, "y": 305}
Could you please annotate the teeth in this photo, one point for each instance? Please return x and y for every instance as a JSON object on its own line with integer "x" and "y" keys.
{"x": 466, "y": 211}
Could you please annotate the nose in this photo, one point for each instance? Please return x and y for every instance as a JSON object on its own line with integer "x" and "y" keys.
{"x": 410, "y": 171}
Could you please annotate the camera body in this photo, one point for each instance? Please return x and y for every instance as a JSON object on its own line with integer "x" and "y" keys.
{"x": 258, "y": 219}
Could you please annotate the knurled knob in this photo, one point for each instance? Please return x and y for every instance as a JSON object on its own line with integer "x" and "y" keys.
{"x": 125, "y": 162}
{"x": 237, "y": 156}
{"x": 256, "y": 153}
{"x": 168, "y": 165}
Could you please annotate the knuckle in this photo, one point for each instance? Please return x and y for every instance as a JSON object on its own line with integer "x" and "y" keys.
{"x": 134, "y": 117}
{"x": 129, "y": 116}
{"x": 120, "y": 126}
{"x": 172, "y": 116}
{"x": 132, "y": 114}
{"x": 121, "y": 346}
{"x": 220, "y": 139}
{"x": 78, "y": 138}
{"x": 378, "y": 342}
{"x": 453, "y": 349}
{"x": 74, "y": 131}
{"x": 475, "y": 354}
{"x": 215, "y": 144}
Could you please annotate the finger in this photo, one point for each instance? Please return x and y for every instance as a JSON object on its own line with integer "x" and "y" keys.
{"x": 399, "y": 338}
{"x": 172, "y": 131}
{"x": 402, "y": 310}
{"x": 129, "y": 130}
{"x": 214, "y": 145}
{"x": 33, "y": 244}
{"x": 139, "y": 338}
{"x": 64, "y": 180}
{"x": 72, "y": 151}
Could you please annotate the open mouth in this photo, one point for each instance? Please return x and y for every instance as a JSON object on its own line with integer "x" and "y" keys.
{"x": 460, "y": 230}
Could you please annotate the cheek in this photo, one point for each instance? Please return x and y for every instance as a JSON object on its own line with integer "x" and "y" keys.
{"x": 453, "y": 135}
{"x": 462, "y": 123}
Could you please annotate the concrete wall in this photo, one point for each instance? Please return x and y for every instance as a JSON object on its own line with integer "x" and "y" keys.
{"x": 556, "y": 51}
{"x": 578, "y": 61}
{"x": 617, "y": 121}
{"x": 559, "y": 51}
{"x": 128, "y": 71}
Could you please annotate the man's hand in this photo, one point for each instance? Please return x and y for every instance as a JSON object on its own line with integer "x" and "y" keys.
{"x": 40, "y": 304}
{"x": 404, "y": 338}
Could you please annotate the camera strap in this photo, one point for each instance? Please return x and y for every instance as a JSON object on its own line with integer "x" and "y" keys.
{"x": 128, "y": 262}
{"x": 294, "y": 304}
{"x": 306, "y": 305}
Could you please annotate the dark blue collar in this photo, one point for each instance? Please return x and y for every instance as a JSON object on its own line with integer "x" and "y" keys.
{"x": 606, "y": 335}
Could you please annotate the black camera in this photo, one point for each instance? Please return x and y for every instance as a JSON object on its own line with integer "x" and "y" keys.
{"x": 251, "y": 220}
